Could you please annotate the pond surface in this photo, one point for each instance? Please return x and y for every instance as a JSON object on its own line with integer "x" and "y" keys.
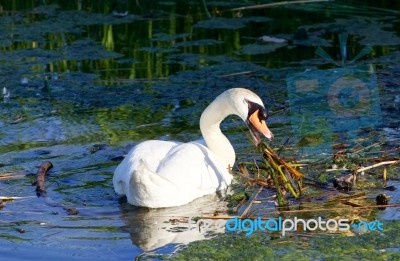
{"x": 83, "y": 82}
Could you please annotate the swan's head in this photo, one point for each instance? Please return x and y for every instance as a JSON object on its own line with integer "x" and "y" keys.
{"x": 256, "y": 121}
{"x": 252, "y": 110}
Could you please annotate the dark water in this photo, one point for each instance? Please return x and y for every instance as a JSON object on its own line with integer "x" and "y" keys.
{"x": 81, "y": 86}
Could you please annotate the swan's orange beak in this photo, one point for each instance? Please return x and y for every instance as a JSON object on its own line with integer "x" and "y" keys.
{"x": 258, "y": 125}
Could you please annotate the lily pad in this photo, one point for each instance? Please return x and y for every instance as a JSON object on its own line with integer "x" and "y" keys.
{"x": 202, "y": 42}
{"x": 127, "y": 61}
{"x": 256, "y": 19}
{"x": 220, "y": 23}
{"x": 88, "y": 50}
{"x": 31, "y": 56}
{"x": 157, "y": 50}
{"x": 254, "y": 49}
{"x": 373, "y": 31}
{"x": 168, "y": 37}
{"x": 229, "y": 23}
{"x": 88, "y": 18}
{"x": 191, "y": 59}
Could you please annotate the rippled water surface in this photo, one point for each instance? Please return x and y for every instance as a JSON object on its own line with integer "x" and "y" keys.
{"x": 83, "y": 82}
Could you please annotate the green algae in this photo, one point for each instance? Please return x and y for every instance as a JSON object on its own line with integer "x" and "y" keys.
{"x": 264, "y": 246}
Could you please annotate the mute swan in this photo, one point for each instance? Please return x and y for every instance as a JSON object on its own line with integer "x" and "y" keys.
{"x": 159, "y": 173}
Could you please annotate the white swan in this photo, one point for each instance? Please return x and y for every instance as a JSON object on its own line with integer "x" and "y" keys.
{"x": 159, "y": 173}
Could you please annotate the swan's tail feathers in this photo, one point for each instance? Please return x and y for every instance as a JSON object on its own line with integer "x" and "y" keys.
{"x": 125, "y": 176}
{"x": 120, "y": 180}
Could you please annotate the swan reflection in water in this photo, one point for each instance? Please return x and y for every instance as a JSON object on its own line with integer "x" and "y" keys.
{"x": 151, "y": 229}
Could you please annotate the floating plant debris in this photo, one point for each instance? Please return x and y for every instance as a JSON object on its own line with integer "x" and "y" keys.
{"x": 281, "y": 175}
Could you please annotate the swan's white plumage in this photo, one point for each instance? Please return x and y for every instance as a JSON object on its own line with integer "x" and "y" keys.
{"x": 164, "y": 173}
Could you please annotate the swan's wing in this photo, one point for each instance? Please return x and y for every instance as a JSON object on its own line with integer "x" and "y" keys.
{"x": 152, "y": 152}
{"x": 149, "y": 153}
{"x": 165, "y": 174}
{"x": 193, "y": 166}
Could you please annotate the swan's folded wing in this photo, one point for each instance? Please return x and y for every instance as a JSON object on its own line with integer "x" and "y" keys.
{"x": 192, "y": 166}
{"x": 164, "y": 174}
{"x": 150, "y": 152}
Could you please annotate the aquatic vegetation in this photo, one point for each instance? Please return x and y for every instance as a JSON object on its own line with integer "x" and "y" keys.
{"x": 369, "y": 246}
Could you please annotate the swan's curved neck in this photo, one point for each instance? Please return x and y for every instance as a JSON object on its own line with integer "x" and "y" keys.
{"x": 210, "y": 121}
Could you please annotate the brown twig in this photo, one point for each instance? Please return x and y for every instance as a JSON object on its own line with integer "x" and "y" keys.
{"x": 377, "y": 165}
{"x": 251, "y": 202}
{"x": 384, "y": 177}
{"x": 71, "y": 210}
{"x": 235, "y": 209}
{"x": 14, "y": 198}
{"x": 41, "y": 188}
{"x": 7, "y": 176}
{"x": 41, "y": 178}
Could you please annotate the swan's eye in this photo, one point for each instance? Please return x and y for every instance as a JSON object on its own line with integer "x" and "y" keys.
{"x": 262, "y": 112}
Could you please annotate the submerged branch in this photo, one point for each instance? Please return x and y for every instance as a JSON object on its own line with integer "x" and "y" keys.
{"x": 41, "y": 188}
{"x": 41, "y": 178}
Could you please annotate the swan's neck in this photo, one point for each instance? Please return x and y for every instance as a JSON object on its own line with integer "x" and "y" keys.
{"x": 210, "y": 121}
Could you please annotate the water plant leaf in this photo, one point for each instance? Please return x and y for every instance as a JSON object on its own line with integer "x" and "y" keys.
{"x": 272, "y": 39}
{"x": 168, "y": 37}
{"x": 202, "y": 42}
{"x": 157, "y": 50}
{"x": 220, "y": 23}
{"x": 88, "y": 50}
{"x": 254, "y": 49}
{"x": 229, "y": 23}
{"x": 373, "y": 31}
